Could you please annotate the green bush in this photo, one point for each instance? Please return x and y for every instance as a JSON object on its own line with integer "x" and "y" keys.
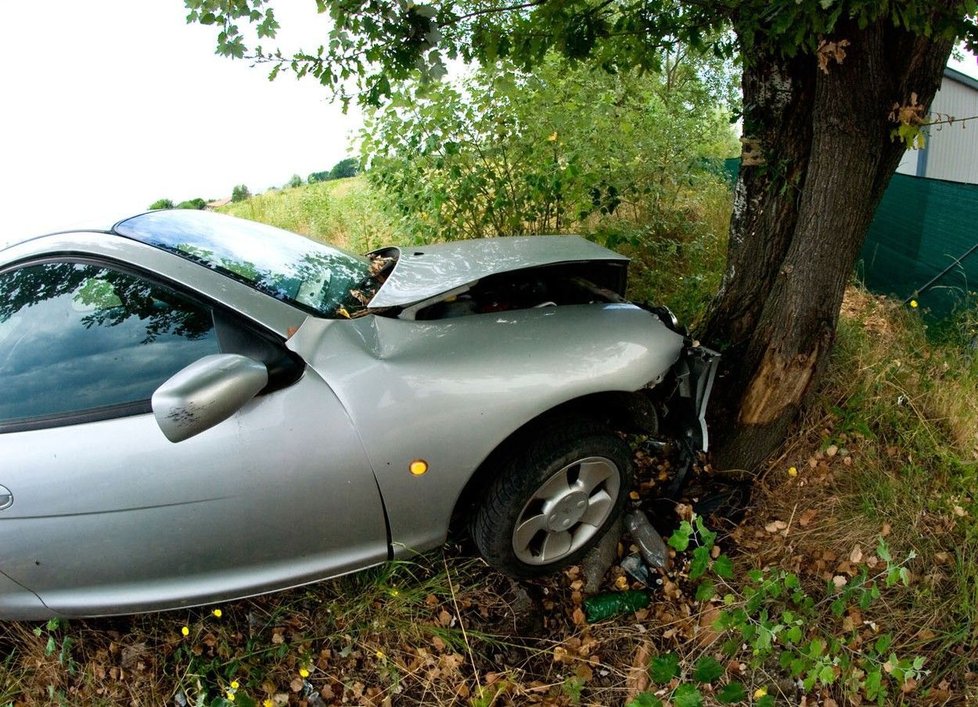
{"x": 345, "y": 169}
{"x": 197, "y": 203}
{"x": 240, "y": 193}
{"x": 567, "y": 148}
{"x": 161, "y": 204}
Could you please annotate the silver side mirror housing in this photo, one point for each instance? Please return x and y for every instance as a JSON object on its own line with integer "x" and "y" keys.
{"x": 206, "y": 392}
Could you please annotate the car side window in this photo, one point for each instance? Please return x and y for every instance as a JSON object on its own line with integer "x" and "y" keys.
{"x": 80, "y": 342}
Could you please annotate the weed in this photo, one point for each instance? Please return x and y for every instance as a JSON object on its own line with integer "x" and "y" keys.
{"x": 770, "y": 625}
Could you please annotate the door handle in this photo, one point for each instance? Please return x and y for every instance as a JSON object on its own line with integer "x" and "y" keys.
{"x": 6, "y": 498}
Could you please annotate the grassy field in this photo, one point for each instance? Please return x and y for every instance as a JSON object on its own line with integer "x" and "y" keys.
{"x": 850, "y": 578}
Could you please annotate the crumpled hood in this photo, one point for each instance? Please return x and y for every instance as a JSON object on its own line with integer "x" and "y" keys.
{"x": 427, "y": 271}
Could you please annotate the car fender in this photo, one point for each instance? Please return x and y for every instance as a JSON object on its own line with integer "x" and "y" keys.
{"x": 448, "y": 392}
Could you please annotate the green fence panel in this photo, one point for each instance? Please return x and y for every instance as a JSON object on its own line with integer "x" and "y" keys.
{"x": 922, "y": 243}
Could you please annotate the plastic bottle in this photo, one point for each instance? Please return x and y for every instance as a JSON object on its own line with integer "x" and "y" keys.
{"x": 604, "y": 606}
{"x": 650, "y": 543}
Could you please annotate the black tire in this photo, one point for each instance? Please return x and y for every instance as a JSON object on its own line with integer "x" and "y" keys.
{"x": 539, "y": 491}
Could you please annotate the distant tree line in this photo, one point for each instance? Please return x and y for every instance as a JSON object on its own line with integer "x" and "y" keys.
{"x": 197, "y": 203}
{"x": 348, "y": 167}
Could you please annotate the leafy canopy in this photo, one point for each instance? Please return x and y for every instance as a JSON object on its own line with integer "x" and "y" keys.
{"x": 376, "y": 44}
{"x": 506, "y": 152}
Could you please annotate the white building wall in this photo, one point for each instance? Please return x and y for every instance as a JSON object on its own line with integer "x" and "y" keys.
{"x": 952, "y": 150}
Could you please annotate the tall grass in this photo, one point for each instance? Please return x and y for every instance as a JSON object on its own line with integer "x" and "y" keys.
{"x": 348, "y": 213}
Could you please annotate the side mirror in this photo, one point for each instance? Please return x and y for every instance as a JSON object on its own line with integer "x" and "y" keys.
{"x": 206, "y": 392}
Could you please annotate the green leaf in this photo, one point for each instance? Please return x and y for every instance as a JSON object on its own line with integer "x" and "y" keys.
{"x": 664, "y": 668}
{"x": 883, "y": 643}
{"x": 723, "y": 566}
{"x": 883, "y": 551}
{"x": 705, "y": 591}
{"x": 645, "y": 699}
{"x": 700, "y": 563}
{"x": 791, "y": 581}
{"x": 687, "y": 696}
{"x": 874, "y": 684}
{"x": 731, "y": 693}
{"x": 707, "y": 536}
{"x": 766, "y": 701}
{"x": 707, "y": 669}
{"x": 679, "y": 540}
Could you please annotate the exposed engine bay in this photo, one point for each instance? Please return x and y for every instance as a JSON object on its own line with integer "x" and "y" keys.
{"x": 523, "y": 289}
{"x": 545, "y": 286}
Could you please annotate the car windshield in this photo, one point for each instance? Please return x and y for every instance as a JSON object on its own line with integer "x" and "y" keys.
{"x": 315, "y": 277}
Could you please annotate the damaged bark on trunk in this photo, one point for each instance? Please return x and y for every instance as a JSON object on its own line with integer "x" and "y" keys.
{"x": 817, "y": 158}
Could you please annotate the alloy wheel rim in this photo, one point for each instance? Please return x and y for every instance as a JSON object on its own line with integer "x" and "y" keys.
{"x": 566, "y": 511}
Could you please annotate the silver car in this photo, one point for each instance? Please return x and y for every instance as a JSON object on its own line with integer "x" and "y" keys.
{"x": 195, "y": 408}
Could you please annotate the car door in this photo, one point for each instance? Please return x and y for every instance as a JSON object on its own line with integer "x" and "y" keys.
{"x": 106, "y": 515}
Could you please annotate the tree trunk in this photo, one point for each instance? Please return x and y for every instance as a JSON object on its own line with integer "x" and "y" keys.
{"x": 817, "y": 158}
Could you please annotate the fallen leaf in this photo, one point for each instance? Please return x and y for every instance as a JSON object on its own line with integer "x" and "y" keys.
{"x": 638, "y": 674}
{"x": 832, "y": 450}
{"x": 839, "y": 581}
{"x": 806, "y": 517}
{"x": 776, "y": 526}
{"x": 578, "y": 617}
{"x": 684, "y": 511}
{"x": 856, "y": 556}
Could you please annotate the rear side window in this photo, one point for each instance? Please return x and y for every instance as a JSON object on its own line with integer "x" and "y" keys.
{"x": 80, "y": 342}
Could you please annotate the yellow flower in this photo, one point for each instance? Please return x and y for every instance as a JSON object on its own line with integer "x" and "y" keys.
{"x": 380, "y": 655}
{"x": 760, "y": 692}
{"x": 913, "y": 304}
{"x": 792, "y": 471}
{"x": 304, "y": 672}
{"x": 185, "y": 631}
{"x": 553, "y": 136}
{"x": 218, "y": 613}
{"x": 230, "y": 697}
{"x": 235, "y": 685}
{"x": 267, "y": 703}
{"x": 394, "y": 592}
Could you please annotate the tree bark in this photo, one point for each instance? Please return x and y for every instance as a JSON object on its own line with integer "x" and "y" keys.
{"x": 817, "y": 158}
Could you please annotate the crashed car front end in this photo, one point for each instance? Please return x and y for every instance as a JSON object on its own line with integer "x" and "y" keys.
{"x": 486, "y": 364}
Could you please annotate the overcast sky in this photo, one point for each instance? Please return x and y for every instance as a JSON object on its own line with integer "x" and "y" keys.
{"x": 108, "y": 105}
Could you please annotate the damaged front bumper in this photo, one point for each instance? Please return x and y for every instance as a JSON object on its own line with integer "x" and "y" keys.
{"x": 695, "y": 372}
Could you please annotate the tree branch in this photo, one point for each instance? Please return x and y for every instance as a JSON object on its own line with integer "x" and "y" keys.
{"x": 498, "y": 10}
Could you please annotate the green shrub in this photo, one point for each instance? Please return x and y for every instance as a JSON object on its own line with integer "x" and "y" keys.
{"x": 240, "y": 193}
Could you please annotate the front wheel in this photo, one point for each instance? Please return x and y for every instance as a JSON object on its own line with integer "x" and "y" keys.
{"x": 553, "y": 500}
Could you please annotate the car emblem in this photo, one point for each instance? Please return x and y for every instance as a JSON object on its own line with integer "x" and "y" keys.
{"x": 6, "y": 498}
